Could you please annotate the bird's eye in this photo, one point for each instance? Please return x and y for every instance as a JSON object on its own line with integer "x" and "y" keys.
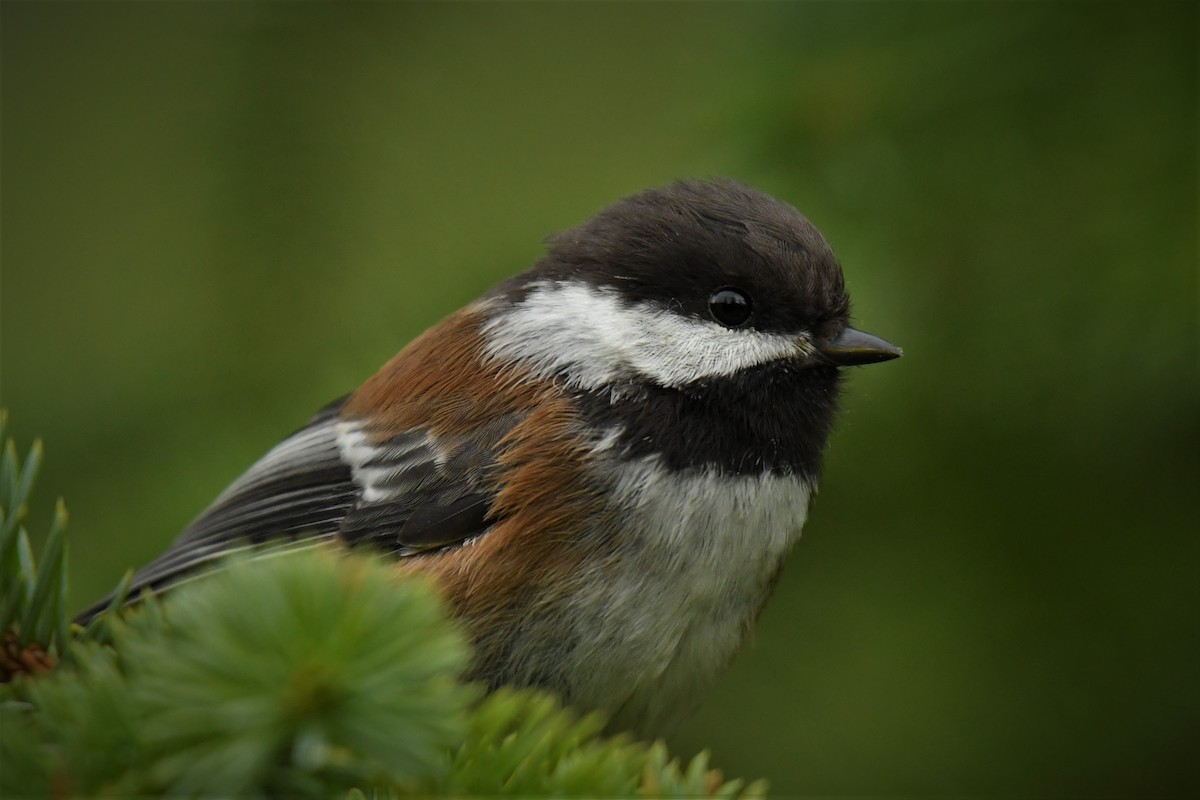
{"x": 730, "y": 307}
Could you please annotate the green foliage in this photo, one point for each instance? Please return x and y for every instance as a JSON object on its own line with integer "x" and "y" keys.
{"x": 537, "y": 748}
{"x": 32, "y": 597}
{"x": 307, "y": 674}
{"x": 278, "y": 676}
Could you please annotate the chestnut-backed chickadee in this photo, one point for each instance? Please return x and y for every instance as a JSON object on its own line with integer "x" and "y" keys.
{"x": 603, "y": 461}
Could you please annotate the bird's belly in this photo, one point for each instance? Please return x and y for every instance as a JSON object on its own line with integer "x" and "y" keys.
{"x": 694, "y": 559}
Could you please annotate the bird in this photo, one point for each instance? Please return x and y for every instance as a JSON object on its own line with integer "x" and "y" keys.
{"x": 602, "y": 462}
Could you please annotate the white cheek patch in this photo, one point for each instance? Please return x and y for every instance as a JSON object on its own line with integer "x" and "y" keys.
{"x": 589, "y": 335}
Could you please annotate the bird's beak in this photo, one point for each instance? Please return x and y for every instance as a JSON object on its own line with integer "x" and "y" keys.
{"x": 852, "y": 347}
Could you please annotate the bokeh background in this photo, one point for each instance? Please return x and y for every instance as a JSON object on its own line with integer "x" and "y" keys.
{"x": 218, "y": 216}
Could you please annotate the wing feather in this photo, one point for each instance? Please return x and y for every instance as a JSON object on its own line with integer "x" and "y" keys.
{"x": 299, "y": 491}
{"x": 411, "y": 493}
{"x": 422, "y": 492}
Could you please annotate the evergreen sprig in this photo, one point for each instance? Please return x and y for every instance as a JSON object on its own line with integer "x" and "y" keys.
{"x": 33, "y": 617}
{"x": 523, "y": 743}
{"x": 299, "y": 675}
{"x": 308, "y": 674}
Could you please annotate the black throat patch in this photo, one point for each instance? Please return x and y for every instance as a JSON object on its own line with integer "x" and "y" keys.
{"x": 771, "y": 418}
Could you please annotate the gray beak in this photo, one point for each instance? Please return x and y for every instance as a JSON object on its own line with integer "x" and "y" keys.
{"x": 852, "y": 347}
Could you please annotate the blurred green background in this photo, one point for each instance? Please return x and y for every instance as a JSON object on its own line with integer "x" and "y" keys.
{"x": 218, "y": 216}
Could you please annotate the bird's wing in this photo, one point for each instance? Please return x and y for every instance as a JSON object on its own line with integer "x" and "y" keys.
{"x": 419, "y": 491}
{"x": 410, "y": 493}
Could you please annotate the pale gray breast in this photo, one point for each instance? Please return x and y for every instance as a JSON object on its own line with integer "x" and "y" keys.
{"x": 696, "y": 556}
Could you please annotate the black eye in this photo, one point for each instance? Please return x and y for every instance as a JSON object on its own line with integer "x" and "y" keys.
{"x": 730, "y": 307}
